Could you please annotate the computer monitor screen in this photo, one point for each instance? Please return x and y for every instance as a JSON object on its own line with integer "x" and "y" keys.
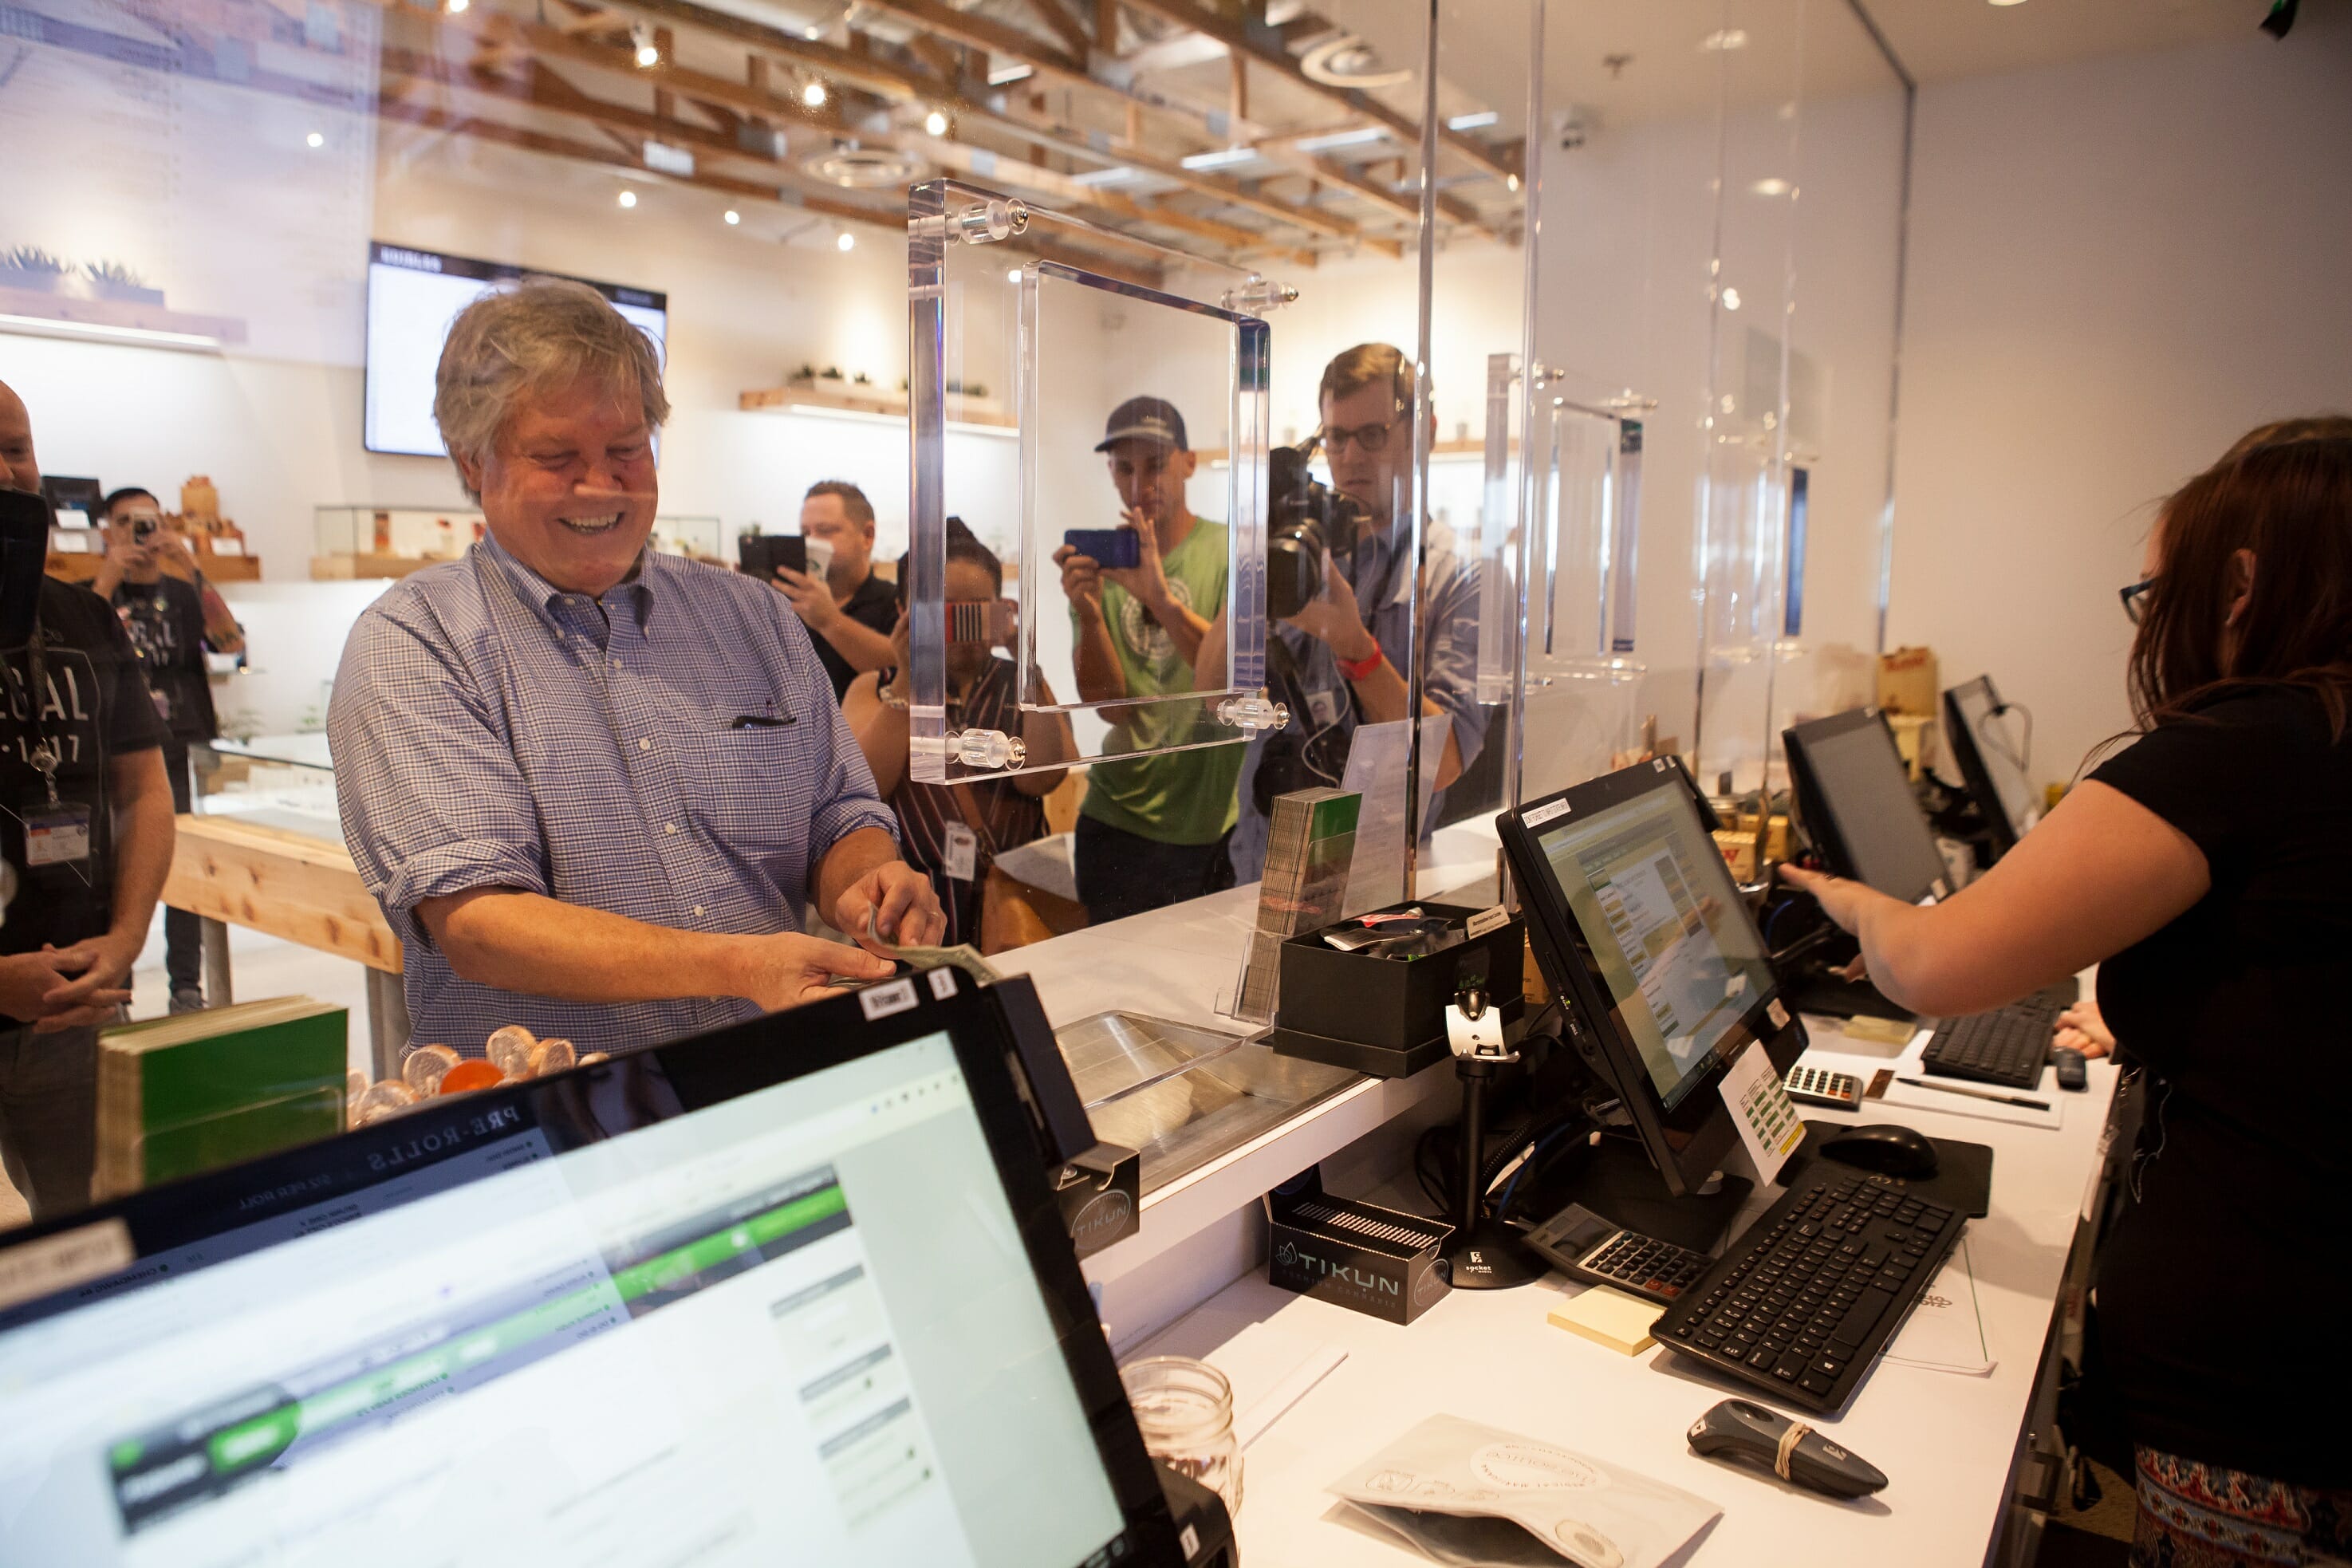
{"x": 1854, "y": 793}
{"x": 1989, "y": 761}
{"x": 657, "y": 1312}
{"x": 411, "y": 297}
{"x": 1637, "y": 921}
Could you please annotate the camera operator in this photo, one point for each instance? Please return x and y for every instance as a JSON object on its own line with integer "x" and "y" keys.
{"x": 1339, "y": 660}
{"x": 174, "y": 615}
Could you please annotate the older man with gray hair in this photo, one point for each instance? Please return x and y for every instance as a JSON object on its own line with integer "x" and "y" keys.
{"x": 591, "y": 785}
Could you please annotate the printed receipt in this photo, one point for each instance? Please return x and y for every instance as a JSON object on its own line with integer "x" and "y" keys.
{"x": 1768, "y": 1123}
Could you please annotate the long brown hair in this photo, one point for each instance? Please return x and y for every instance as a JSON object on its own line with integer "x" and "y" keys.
{"x": 2288, "y": 502}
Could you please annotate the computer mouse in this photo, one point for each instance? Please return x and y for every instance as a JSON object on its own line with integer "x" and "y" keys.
{"x": 1795, "y": 1452}
{"x": 1885, "y": 1148}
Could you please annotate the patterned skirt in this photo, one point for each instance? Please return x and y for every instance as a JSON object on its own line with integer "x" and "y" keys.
{"x": 2192, "y": 1515}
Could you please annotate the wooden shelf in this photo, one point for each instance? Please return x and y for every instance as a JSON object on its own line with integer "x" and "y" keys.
{"x": 848, "y": 397}
{"x": 69, "y": 310}
{"x": 345, "y": 566}
{"x": 81, "y": 568}
{"x": 1472, "y": 448}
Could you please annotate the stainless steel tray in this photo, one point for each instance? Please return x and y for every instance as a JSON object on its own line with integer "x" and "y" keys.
{"x": 1181, "y": 1095}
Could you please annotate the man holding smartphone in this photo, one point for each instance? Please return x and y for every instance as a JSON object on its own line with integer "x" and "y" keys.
{"x": 1151, "y": 831}
{"x": 848, "y": 609}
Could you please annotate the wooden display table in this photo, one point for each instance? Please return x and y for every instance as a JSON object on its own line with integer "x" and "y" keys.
{"x": 297, "y": 887}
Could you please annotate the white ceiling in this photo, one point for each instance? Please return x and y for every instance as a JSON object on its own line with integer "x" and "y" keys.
{"x": 1941, "y": 40}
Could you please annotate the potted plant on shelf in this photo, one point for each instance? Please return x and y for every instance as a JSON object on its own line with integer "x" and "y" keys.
{"x": 113, "y": 280}
{"x": 30, "y": 267}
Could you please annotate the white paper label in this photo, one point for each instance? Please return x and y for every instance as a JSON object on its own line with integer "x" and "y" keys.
{"x": 1485, "y": 920}
{"x": 943, "y": 983}
{"x": 1778, "y": 1013}
{"x": 62, "y": 1261}
{"x": 891, "y": 996}
{"x": 1759, "y": 1105}
{"x": 57, "y": 836}
{"x": 227, "y": 546}
{"x": 1537, "y": 815}
{"x": 963, "y": 852}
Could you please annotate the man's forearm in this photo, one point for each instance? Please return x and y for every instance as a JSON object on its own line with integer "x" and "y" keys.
{"x": 852, "y": 856}
{"x": 525, "y": 941}
{"x": 860, "y": 646}
{"x": 221, "y": 630}
{"x": 144, "y": 832}
{"x": 1185, "y": 627}
{"x": 1100, "y": 679}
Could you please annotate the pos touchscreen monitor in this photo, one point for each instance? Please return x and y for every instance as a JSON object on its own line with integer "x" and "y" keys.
{"x": 796, "y": 1291}
{"x": 1854, "y": 796}
{"x": 1641, "y": 933}
{"x": 1992, "y": 765}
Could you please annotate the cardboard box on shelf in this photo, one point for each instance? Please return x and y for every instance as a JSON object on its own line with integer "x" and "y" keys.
{"x": 1907, "y": 681}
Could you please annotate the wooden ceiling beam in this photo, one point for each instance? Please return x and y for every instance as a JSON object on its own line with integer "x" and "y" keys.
{"x": 1062, "y": 25}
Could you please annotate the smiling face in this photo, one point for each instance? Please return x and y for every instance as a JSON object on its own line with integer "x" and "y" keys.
{"x": 19, "y": 468}
{"x": 569, "y": 487}
{"x": 1149, "y": 477}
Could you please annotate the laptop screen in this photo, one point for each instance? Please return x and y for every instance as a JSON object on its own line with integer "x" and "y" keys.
{"x": 1684, "y": 963}
{"x": 798, "y": 1324}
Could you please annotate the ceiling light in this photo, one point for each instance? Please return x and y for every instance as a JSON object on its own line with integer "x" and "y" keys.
{"x": 316, "y": 139}
{"x": 733, "y": 217}
{"x": 1511, "y": 182}
{"x": 1118, "y": 176}
{"x": 1224, "y": 158}
{"x": 1014, "y": 275}
{"x": 813, "y": 95}
{"x": 458, "y": 7}
{"x": 864, "y": 168}
{"x": 648, "y": 52}
{"x": 1730, "y": 298}
{"x": 1005, "y": 75}
{"x": 2008, "y": 1}
{"x": 1347, "y": 61}
{"x": 1774, "y": 186}
{"x": 1341, "y": 139}
{"x": 628, "y": 199}
{"x": 847, "y": 241}
{"x": 1478, "y": 121}
{"x": 935, "y": 123}
{"x": 1724, "y": 38}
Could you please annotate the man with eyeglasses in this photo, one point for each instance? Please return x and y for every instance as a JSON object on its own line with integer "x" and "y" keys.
{"x": 1347, "y": 653}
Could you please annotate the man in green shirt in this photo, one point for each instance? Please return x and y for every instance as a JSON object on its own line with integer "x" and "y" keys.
{"x": 1152, "y": 831}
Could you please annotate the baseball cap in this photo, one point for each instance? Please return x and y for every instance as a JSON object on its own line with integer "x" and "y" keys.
{"x": 1145, "y": 419}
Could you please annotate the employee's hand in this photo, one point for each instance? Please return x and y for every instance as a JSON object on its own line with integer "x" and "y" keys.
{"x": 1147, "y": 579}
{"x": 1082, "y": 578}
{"x": 812, "y": 600}
{"x": 788, "y": 969}
{"x": 1839, "y": 899}
{"x": 896, "y": 899}
{"x": 27, "y": 979}
{"x": 1337, "y": 620}
{"x": 2081, "y": 1028}
{"x": 91, "y": 982}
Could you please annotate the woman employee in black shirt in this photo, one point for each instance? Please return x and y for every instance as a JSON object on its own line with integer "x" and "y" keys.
{"x": 2207, "y": 870}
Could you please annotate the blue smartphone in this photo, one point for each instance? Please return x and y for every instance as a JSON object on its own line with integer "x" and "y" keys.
{"x": 1116, "y": 548}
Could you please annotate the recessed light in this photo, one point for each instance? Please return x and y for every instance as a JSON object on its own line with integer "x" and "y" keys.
{"x": 1511, "y": 182}
{"x": 648, "y": 56}
{"x": 1731, "y": 298}
{"x": 1774, "y": 186}
{"x": 1724, "y": 38}
{"x": 935, "y": 123}
{"x": 847, "y": 241}
{"x": 628, "y": 199}
{"x": 1014, "y": 275}
{"x": 813, "y": 95}
{"x": 316, "y": 139}
{"x": 733, "y": 217}
{"x": 2008, "y": 1}
{"x": 457, "y": 7}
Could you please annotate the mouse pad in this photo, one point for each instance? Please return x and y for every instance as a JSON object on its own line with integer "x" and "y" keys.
{"x": 1963, "y": 1176}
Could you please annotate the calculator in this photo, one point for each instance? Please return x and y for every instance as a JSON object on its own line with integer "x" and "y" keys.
{"x": 1583, "y": 1245}
{"x": 1819, "y": 1086}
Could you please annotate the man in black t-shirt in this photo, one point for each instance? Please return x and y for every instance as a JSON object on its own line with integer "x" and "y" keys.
{"x": 172, "y": 617}
{"x": 848, "y": 610}
{"x": 84, "y": 843}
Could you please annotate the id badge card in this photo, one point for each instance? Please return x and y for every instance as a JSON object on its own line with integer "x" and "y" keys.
{"x": 56, "y": 835}
{"x": 963, "y": 852}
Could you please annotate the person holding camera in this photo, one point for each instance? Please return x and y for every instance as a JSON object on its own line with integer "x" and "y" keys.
{"x": 1339, "y": 660}
{"x": 173, "y": 616}
{"x": 1151, "y": 831}
{"x": 846, "y": 608}
{"x": 952, "y": 833}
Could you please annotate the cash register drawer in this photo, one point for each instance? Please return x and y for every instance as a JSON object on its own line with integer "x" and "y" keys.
{"x": 1181, "y": 1095}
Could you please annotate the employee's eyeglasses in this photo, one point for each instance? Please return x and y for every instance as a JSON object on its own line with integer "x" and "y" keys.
{"x": 1367, "y": 437}
{"x": 2135, "y": 599}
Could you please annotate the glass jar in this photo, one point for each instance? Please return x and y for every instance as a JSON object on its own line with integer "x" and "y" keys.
{"x": 1185, "y": 1409}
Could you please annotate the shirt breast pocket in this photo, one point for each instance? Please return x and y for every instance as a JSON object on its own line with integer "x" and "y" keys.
{"x": 746, "y": 779}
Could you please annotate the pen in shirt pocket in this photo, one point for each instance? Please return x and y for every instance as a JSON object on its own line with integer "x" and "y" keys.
{"x": 769, "y": 715}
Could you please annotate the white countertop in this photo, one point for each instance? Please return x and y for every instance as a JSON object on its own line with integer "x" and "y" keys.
{"x": 1946, "y": 1440}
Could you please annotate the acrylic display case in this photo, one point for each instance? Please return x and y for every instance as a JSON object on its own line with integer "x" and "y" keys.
{"x": 285, "y": 781}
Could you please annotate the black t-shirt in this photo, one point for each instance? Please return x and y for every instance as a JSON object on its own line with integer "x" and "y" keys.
{"x": 165, "y": 619}
{"x": 2221, "y": 1293}
{"x": 97, "y": 707}
{"x": 873, "y": 604}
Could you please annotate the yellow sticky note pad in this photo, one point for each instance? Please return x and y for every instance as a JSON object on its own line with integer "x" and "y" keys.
{"x": 1610, "y": 1317}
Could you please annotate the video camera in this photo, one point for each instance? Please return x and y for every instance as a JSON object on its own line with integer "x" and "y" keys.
{"x": 1308, "y": 523}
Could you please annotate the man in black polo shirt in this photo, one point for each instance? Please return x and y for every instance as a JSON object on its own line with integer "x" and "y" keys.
{"x": 172, "y": 617}
{"x": 850, "y": 611}
{"x": 85, "y": 840}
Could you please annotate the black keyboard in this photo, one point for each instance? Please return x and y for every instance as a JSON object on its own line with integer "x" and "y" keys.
{"x": 1803, "y": 1301}
{"x": 2007, "y": 1046}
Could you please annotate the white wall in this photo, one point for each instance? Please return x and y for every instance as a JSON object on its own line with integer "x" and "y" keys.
{"x": 2116, "y": 268}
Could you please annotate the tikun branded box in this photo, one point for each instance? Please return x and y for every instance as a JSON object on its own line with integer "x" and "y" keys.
{"x": 1376, "y": 1260}
{"x": 1098, "y": 1196}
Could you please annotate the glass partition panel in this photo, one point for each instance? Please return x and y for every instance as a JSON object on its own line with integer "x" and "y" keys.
{"x": 1123, "y": 576}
